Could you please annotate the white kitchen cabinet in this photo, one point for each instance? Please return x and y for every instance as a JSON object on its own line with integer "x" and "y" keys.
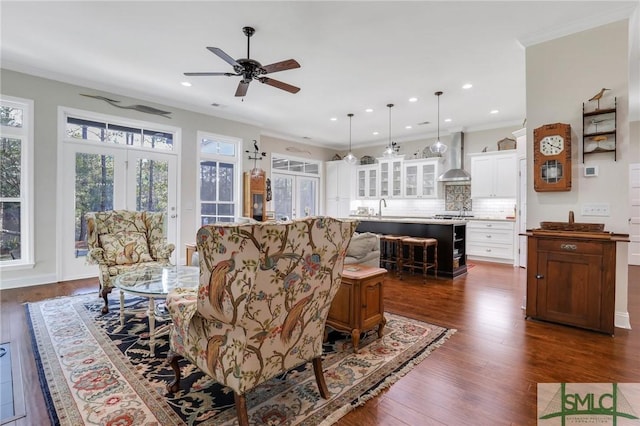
{"x": 390, "y": 177}
{"x": 421, "y": 178}
{"x": 338, "y": 178}
{"x": 491, "y": 240}
{"x": 494, "y": 174}
{"x": 367, "y": 181}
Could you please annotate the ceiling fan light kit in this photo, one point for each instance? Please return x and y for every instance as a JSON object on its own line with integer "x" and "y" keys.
{"x": 350, "y": 158}
{"x": 250, "y": 69}
{"x": 438, "y": 147}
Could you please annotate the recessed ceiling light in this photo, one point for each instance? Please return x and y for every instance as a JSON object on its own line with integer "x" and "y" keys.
{"x": 413, "y": 99}
{"x": 467, "y": 86}
{"x": 407, "y": 127}
{"x": 186, "y": 84}
{"x": 494, "y": 111}
{"x": 375, "y": 133}
{"x": 334, "y": 119}
{"x": 368, "y": 110}
{"x": 447, "y": 120}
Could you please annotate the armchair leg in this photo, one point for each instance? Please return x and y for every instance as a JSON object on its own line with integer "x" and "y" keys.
{"x": 322, "y": 385}
{"x": 241, "y": 409}
{"x": 172, "y": 360}
{"x": 104, "y": 293}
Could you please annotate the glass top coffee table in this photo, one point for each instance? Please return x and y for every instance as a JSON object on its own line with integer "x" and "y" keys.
{"x": 155, "y": 282}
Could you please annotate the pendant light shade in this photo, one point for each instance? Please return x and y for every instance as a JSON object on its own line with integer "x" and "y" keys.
{"x": 350, "y": 158}
{"x": 389, "y": 151}
{"x": 438, "y": 147}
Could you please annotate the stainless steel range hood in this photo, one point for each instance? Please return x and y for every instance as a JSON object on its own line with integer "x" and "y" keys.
{"x": 455, "y": 161}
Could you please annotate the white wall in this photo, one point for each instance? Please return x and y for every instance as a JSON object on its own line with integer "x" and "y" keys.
{"x": 561, "y": 75}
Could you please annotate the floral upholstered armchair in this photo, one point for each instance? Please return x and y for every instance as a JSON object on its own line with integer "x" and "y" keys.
{"x": 121, "y": 241}
{"x": 264, "y": 296}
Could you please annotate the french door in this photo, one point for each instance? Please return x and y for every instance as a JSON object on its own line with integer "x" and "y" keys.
{"x": 295, "y": 195}
{"x": 99, "y": 178}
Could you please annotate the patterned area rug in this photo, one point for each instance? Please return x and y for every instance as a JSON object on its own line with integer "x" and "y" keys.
{"x": 93, "y": 371}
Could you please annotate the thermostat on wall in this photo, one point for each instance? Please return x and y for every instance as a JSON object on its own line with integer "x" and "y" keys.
{"x": 590, "y": 171}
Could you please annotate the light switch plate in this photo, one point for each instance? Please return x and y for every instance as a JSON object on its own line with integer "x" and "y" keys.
{"x": 595, "y": 209}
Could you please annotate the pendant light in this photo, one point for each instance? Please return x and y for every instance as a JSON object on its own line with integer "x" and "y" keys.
{"x": 350, "y": 158}
{"x": 389, "y": 152}
{"x": 438, "y": 147}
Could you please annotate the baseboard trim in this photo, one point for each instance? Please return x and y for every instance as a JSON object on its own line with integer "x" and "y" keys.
{"x": 622, "y": 320}
{"x": 7, "y": 284}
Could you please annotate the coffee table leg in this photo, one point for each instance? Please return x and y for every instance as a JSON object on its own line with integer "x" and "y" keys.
{"x": 121, "y": 308}
{"x": 152, "y": 325}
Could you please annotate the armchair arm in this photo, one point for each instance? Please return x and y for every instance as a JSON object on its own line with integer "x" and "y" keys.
{"x": 95, "y": 256}
{"x": 163, "y": 251}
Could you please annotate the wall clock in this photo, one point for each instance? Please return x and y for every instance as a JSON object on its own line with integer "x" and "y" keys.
{"x": 552, "y": 157}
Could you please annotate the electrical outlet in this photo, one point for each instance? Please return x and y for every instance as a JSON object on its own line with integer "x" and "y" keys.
{"x": 595, "y": 209}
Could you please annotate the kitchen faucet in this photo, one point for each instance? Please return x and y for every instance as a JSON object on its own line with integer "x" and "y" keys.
{"x": 382, "y": 200}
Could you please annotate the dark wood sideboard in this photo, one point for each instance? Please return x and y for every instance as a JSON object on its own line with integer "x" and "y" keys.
{"x": 571, "y": 278}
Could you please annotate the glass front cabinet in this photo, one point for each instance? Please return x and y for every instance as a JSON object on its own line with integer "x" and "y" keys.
{"x": 421, "y": 178}
{"x": 367, "y": 181}
{"x": 391, "y": 177}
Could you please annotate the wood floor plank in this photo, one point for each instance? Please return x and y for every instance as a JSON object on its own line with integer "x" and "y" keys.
{"x": 485, "y": 374}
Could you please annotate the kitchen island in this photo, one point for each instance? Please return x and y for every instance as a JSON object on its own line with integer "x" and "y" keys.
{"x": 450, "y": 234}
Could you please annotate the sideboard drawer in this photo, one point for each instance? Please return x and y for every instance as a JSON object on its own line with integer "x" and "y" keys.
{"x": 570, "y": 246}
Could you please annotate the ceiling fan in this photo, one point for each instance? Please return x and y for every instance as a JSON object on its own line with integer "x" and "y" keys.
{"x": 250, "y": 69}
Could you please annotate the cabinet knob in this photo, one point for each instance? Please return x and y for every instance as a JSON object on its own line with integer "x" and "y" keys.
{"x": 539, "y": 277}
{"x": 488, "y": 236}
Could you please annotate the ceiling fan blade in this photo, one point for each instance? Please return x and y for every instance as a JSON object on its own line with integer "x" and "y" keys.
{"x": 242, "y": 87}
{"x": 196, "y": 74}
{"x": 281, "y": 66}
{"x": 224, "y": 56}
{"x": 279, "y": 84}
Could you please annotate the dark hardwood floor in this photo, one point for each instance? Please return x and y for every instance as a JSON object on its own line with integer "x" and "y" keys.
{"x": 486, "y": 374}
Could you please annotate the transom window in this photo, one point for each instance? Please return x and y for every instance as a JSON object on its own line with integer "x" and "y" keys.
{"x": 98, "y": 131}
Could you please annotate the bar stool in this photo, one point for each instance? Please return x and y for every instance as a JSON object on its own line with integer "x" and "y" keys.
{"x": 391, "y": 252}
{"x": 411, "y": 243}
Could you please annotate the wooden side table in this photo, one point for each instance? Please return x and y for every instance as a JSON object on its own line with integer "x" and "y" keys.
{"x": 191, "y": 248}
{"x": 359, "y": 303}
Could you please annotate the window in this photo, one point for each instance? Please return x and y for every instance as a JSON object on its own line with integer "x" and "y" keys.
{"x": 219, "y": 178}
{"x": 16, "y": 182}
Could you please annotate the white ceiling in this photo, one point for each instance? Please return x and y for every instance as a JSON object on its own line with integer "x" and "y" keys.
{"x": 353, "y": 56}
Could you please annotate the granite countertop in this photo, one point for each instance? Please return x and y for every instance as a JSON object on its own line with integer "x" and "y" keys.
{"x": 425, "y": 220}
{"x": 496, "y": 219}
{"x": 410, "y": 219}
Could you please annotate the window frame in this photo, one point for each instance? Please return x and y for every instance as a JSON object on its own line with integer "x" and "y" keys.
{"x": 236, "y": 160}
{"x": 26, "y": 199}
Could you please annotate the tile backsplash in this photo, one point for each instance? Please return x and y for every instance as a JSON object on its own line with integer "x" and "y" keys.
{"x": 482, "y": 207}
{"x": 457, "y": 197}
